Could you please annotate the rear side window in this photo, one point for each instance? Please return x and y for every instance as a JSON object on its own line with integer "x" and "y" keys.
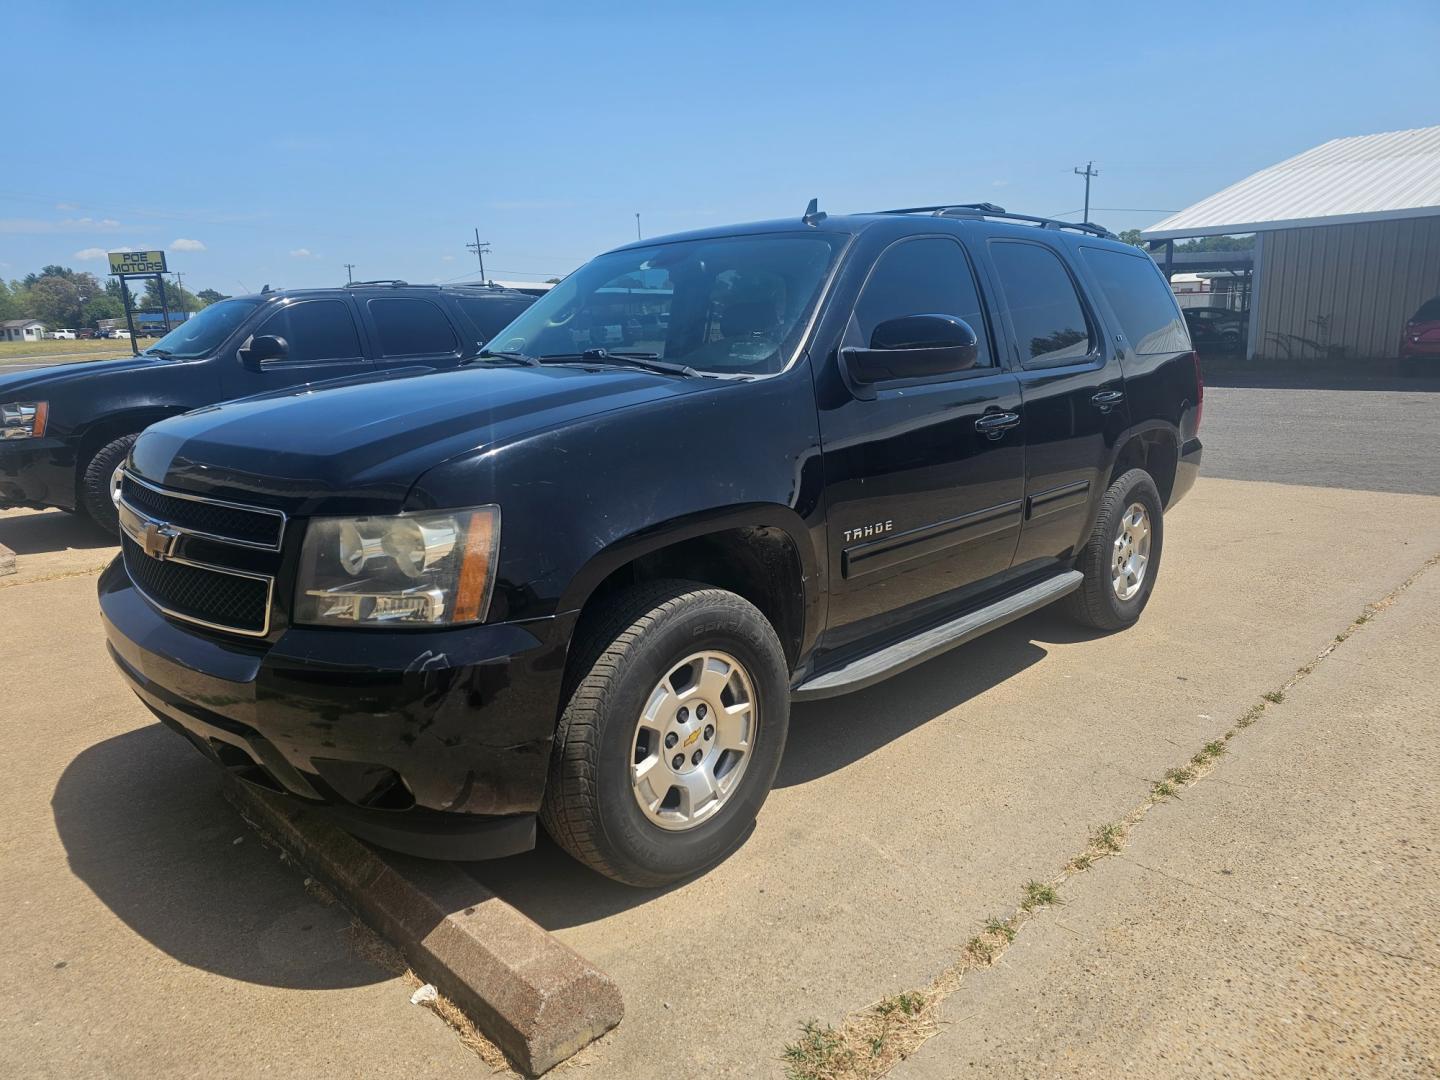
{"x": 489, "y": 315}
{"x": 410, "y": 327}
{"x": 315, "y": 331}
{"x": 1045, "y": 309}
{"x": 1141, "y": 300}
{"x": 928, "y": 276}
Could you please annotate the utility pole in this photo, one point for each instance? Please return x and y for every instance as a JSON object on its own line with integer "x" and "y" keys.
{"x": 1087, "y": 173}
{"x": 480, "y": 247}
{"x": 349, "y": 277}
{"x": 180, "y": 292}
{"x": 637, "y": 228}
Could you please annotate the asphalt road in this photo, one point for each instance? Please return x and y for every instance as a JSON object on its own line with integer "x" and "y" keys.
{"x": 1363, "y": 439}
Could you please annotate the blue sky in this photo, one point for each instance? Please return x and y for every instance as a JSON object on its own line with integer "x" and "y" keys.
{"x": 296, "y": 137}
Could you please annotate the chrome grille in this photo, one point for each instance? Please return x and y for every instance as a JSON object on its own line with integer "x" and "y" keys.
{"x": 201, "y": 560}
{"x": 200, "y": 594}
{"x": 249, "y": 526}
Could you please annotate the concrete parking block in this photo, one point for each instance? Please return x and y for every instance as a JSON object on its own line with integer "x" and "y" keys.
{"x": 538, "y": 1000}
{"x": 7, "y": 561}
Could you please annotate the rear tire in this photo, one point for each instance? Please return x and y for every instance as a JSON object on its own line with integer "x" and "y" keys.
{"x": 614, "y": 800}
{"x": 96, "y": 499}
{"x": 1121, "y": 559}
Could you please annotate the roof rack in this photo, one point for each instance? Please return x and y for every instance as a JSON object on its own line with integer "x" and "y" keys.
{"x": 990, "y": 210}
{"x": 394, "y": 283}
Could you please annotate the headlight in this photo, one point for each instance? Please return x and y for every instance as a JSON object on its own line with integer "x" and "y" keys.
{"x": 424, "y": 569}
{"x": 23, "y": 419}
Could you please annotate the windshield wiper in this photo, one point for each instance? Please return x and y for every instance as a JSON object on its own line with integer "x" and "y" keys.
{"x": 501, "y": 354}
{"x": 164, "y": 354}
{"x": 648, "y": 360}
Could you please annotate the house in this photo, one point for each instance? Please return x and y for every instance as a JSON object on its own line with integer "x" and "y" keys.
{"x": 22, "y": 330}
{"x": 1346, "y": 246}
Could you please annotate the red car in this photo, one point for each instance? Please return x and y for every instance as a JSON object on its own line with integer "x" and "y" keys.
{"x": 1421, "y": 338}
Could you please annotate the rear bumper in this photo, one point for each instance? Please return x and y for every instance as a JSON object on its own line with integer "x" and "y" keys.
{"x": 37, "y": 472}
{"x": 1187, "y": 469}
{"x": 436, "y": 743}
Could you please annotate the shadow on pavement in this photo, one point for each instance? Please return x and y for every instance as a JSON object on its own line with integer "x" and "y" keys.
{"x": 145, "y": 828}
{"x": 557, "y": 892}
{"x": 30, "y": 533}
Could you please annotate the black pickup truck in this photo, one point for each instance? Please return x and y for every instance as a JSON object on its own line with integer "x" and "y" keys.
{"x": 65, "y": 430}
{"x": 584, "y": 577}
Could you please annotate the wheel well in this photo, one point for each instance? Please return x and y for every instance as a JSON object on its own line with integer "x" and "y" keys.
{"x": 1153, "y": 451}
{"x": 108, "y": 430}
{"x": 760, "y": 564}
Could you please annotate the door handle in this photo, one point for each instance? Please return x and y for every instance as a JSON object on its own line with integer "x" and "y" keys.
{"x": 994, "y": 425}
{"x": 1105, "y": 400}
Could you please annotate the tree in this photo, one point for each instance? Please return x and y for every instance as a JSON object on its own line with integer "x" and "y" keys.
{"x": 210, "y": 296}
{"x": 1218, "y": 243}
{"x": 176, "y": 297}
{"x": 552, "y": 281}
{"x": 104, "y": 306}
{"x": 1132, "y": 236}
{"x": 55, "y": 301}
{"x": 10, "y": 301}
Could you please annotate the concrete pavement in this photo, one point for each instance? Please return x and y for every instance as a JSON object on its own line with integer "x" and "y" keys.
{"x": 1277, "y": 920}
{"x": 907, "y": 814}
{"x": 904, "y": 816}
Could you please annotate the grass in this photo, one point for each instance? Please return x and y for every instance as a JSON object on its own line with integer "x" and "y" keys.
{"x": 94, "y": 349}
{"x": 1275, "y": 697}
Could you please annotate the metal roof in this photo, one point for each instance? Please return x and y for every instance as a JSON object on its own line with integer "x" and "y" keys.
{"x": 1395, "y": 174}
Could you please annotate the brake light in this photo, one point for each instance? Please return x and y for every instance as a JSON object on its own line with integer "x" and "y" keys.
{"x": 1199, "y": 391}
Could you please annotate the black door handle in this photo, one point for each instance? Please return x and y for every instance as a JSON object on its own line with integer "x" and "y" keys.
{"x": 1106, "y": 399}
{"x": 995, "y": 424}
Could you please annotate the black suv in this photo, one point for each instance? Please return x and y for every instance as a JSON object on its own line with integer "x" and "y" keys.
{"x": 66, "y": 429}
{"x": 706, "y": 476}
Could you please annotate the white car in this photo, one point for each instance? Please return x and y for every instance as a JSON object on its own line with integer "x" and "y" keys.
{"x": 61, "y": 335}
{"x": 118, "y": 334}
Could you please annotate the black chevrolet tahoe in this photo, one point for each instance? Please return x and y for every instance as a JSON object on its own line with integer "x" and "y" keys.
{"x": 65, "y": 430}
{"x": 582, "y": 578}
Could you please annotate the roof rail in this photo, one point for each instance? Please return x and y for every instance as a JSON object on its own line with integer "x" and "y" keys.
{"x": 990, "y": 210}
{"x": 394, "y": 283}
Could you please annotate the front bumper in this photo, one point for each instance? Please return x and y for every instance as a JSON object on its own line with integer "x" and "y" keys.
{"x": 432, "y": 742}
{"x": 37, "y": 473}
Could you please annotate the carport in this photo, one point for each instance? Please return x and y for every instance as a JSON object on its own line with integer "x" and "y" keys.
{"x": 1346, "y": 248}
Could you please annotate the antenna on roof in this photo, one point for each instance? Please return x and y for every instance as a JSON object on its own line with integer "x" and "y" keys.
{"x": 813, "y": 214}
{"x": 266, "y": 289}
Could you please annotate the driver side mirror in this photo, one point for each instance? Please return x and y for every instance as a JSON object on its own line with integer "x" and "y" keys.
{"x": 914, "y": 347}
{"x": 266, "y": 348}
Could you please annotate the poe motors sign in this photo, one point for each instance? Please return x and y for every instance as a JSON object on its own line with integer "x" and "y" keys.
{"x": 137, "y": 262}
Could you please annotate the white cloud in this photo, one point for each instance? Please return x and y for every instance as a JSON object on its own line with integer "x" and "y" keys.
{"x": 183, "y": 244}
{"x": 1000, "y": 183}
{"x": 447, "y": 258}
{"x": 302, "y": 253}
{"x": 66, "y": 206}
{"x": 89, "y": 253}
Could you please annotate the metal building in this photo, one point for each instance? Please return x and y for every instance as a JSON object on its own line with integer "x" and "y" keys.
{"x": 1347, "y": 245}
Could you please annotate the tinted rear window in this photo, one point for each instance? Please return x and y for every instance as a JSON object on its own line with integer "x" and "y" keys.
{"x": 490, "y": 315}
{"x": 1046, "y": 311}
{"x": 409, "y": 327}
{"x": 1141, "y": 300}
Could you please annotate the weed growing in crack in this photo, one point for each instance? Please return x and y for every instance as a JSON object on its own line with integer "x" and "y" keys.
{"x": 1038, "y": 894}
{"x": 1275, "y": 697}
{"x": 1001, "y": 927}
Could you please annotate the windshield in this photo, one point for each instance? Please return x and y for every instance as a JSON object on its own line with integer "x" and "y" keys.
{"x": 734, "y": 305}
{"x": 202, "y": 334}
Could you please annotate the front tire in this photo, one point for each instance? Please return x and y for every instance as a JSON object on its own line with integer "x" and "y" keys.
{"x": 670, "y": 739}
{"x": 97, "y": 497}
{"x": 1121, "y": 559}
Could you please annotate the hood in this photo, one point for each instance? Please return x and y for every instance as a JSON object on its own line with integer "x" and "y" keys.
{"x": 359, "y": 448}
{"x": 36, "y": 380}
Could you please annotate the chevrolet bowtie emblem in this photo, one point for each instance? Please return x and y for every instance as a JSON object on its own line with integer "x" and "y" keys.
{"x": 690, "y": 738}
{"x": 158, "y": 540}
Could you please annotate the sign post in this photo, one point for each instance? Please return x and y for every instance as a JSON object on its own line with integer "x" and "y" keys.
{"x": 139, "y": 264}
